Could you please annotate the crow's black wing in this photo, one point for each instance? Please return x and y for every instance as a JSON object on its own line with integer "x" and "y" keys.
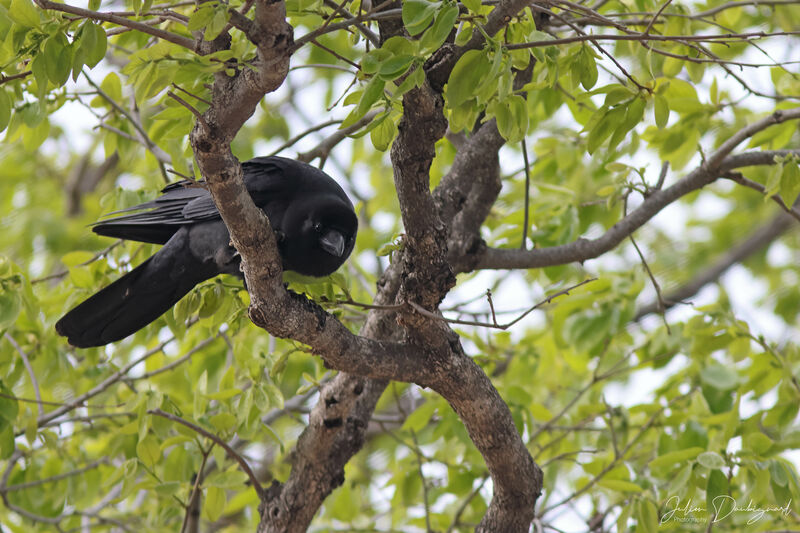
{"x": 157, "y": 220}
{"x": 269, "y": 180}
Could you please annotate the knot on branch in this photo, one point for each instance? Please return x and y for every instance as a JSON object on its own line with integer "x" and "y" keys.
{"x": 283, "y": 316}
{"x": 270, "y": 499}
{"x": 465, "y": 253}
{"x": 221, "y": 42}
{"x": 439, "y": 65}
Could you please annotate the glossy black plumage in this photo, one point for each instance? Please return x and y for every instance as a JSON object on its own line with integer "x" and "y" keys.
{"x": 313, "y": 219}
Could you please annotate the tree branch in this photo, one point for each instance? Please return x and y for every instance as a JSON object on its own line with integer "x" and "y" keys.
{"x": 121, "y": 21}
{"x": 440, "y": 65}
{"x": 757, "y": 241}
{"x": 216, "y": 440}
{"x": 26, "y": 361}
{"x": 717, "y": 164}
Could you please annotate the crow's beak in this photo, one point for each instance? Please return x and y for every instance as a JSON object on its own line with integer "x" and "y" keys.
{"x": 332, "y": 242}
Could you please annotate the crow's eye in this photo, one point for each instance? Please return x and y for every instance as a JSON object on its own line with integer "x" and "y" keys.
{"x": 318, "y": 227}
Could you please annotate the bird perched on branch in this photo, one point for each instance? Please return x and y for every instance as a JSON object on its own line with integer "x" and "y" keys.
{"x": 313, "y": 219}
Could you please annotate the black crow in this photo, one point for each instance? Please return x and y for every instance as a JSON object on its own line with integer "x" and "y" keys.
{"x": 314, "y": 222}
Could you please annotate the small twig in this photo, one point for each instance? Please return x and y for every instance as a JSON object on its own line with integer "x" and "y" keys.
{"x": 57, "y": 477}
{"x": 491, "y": 306}
{"x": 6, "y": 79}
{"x": 324, "y": 148}
{"x": 336, "y": 54}
{"x": 194, "y": 496}
{"x": 22, "y": 399}
{"x": 597, "y": 45}
{"x": 421, "y": 310}
{"x": 389, "y": 307}
{"x": 420, "y": 458}
{"x": 730, "y": 5}
{"x": 300, "y": 135}
{"x": 524, "y": 244}
{"x": 741, "y": 180}
{"x": 160, "y": 155}
{"x": 199, "y": 98}
{"x": 661, "y": 305}
{"x": 655, "y": 17}
{"x": 631, "y": 443}
{"x": 90, "y": 419}
{"x": 369, "y": 34}
{"x": 166, "y": 368}
{"x": 610, "y": 421}
{"x": 311, "y": 36}
{"x": 565, "y": 455}
{"x": 338, "y": 9}
{"x": 662, "y": 176}
{"x": 198, "y": 115}
{"x": 121, "y": 21}
{"x": 465, "y": 503}
{"x": 29, "y": 368}
{"x": 105, "y": 384}
{"x": 215, "y": 439}
{"x": 94, "y": 258}
{"x": 116, "y": 131}
{"x": 713, "y": 38}
{"x": 184, "y": 176}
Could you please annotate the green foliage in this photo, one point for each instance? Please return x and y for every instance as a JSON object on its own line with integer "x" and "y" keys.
{"x": 634, "y": 420}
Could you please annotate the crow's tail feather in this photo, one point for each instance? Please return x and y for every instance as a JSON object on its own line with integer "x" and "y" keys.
{"x": 129, "y": 304}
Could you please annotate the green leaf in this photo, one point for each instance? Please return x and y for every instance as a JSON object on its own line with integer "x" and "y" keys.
{"x": 57, "y": 59}
{"x": 661, "y": 110}
{"x": 604, "y": 128}
{"x": 372, "y": 92}
{"x": 112, "y": 86}
{"x": 201, "y": 18}
{"x": 633, "y": 115}
{"x": 148, "y": 451}
{"x": 76, "y": 258}
{"x": 24, "y": 13}
{"x": 217, "y": 24}
{"x": 40, "y": 74}
{"x": 200, "y": 393}
{"x": 435, "y": 36}
{"x": 711, "y": 460}
{"x": 223, "y": 422}
{"x": 757, "y": 442}
{"x": 6, "y": 107}
{"x": 790, "y": 182}
{"x": 9, "y": 409}
{"x": 383, "y": 134}
{"x": 619, "y": 485}
{"x": 225, "y": 394}
{"x": 719, "y": 376}
{"x": 716, "y": 486}
{"x": 588, "y": 68}
{"x": 420, "y": 417}
{"x": 231, "y": 479}
{"x": 214, "y": 503}
{"x": 372, "y": 61}
{"x": 6, "y": 442}
{"x": 97, "y": 42}
{"x": 417, "y": 14}
{"x": 394, "y": 67}
{"x": 10, "y": 307}
{"x": 675, "y": 458}
{"x": 646, "y": 517}
{"x": 94, "y": 5}
{"x": 467, "y": 75}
